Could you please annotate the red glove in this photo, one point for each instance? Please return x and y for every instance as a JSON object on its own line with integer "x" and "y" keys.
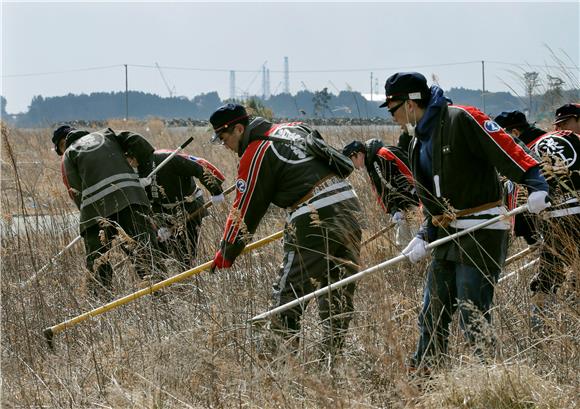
{"x": 220, "y": 262}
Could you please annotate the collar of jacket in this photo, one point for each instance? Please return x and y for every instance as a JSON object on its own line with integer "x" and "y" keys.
{"x": 531, "y": 134}
{"x": 254, "y": 131}
{"x": 74, "y": 136}
{"x": 424, "y": 129}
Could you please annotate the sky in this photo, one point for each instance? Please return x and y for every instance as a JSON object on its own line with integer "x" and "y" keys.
{"x": 53, "y": 49}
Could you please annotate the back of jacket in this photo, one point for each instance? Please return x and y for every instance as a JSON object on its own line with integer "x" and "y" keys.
{"x": 98, "y": 176}
{"x": 273, "y": 171}
{"x": 391, "y": 177}
{"x": 174, "y": 182}
{"x": 559, "y": 152}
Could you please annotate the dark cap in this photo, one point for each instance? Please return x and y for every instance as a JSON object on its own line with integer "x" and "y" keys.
{"x": 567, "y": 111}
{"x": 60, "y": 133}
{"x": 352, "y": 148}
{"x": 405, "y": 85}
{"x": 512, "y": 119}
{"x": 224, "y": 116}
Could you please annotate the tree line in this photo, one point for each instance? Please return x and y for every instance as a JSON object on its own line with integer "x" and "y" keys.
{"x": 100, "y": 106}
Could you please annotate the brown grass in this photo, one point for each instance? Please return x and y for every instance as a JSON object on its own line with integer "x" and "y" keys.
{"x": 193, "y": 348}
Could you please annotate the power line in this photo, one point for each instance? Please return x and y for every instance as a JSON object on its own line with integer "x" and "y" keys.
{"x": 37, "y": 74}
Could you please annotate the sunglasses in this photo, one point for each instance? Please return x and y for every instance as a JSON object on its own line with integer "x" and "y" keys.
{"x": 395, "y": 108}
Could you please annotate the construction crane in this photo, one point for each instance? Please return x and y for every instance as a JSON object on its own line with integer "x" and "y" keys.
{"x": 169, "y": 89}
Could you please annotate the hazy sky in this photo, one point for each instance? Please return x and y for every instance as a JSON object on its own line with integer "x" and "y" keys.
{"x": 348, "y": 41}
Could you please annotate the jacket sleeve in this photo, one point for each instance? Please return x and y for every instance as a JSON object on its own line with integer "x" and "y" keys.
{"x": 137, "y": 146}
{"x": 397, "y": 191}
{"x": 71, "y": 179}
{"x": 509, "y": 156}
{"x": 255, "y": 185}
{"x": 209, "y": 175}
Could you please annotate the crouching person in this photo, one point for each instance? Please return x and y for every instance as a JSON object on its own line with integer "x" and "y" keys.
{"x": 322, "y": 233}
{"x": 109, "y": 196}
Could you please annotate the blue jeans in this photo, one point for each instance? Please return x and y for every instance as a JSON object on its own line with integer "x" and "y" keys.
{"x": 450, "y": 285}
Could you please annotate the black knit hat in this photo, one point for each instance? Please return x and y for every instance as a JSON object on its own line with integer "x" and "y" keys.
{"x": 405, "y": 85}
{"x": 225, "y": 116}
{"x": 567, "y": 111}
{"x": 352, "y": 148}
{"x": 512, "y": 119}
{"x": 60, "y": 133}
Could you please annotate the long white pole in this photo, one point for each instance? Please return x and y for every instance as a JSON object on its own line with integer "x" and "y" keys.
{"x": 380, "y": 266}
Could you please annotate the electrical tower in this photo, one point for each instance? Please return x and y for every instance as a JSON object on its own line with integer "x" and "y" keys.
{"x": 286, "y": 76}
{"x": 267, "y": 83}
{"x": 264, "y": 81}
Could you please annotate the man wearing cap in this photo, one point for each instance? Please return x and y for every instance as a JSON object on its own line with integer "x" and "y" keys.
{"x": 177, "y": 201}
{"x": 392, "y": 180}
{"x": 109, "y": 194}
{"x": 322, "y": 234}
{"x": 568, "y": 118}
{"x": 455, "y": 157}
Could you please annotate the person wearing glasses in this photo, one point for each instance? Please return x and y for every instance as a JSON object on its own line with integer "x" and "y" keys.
{"x": 455, "y": 156}
{"x": 392, "y": 180}
{"x": 322, "y": 232}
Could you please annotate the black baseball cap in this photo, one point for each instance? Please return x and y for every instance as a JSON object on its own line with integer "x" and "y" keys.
{"x": 405, "y": 85}
{"x": 60, "y": 133}
{"x": 567, "y": 111}
{"x": 225, "y": 116}
{"x": 352, "y": 148}
{"x": 512, "y": 119}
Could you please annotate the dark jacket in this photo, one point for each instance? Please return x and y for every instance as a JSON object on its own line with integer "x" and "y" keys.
{"x": 97, "y": 175}
{"x": 560, "y": 155}
{"x": 175, "y": 182}
{"x": 467, "y": 150}
{"x": 391, "y": 177}
{"x": 278, "y": 172}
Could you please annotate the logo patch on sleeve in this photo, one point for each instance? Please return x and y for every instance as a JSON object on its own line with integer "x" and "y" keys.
{"x": 241, "y": 185}
{"x": 491, "y": 126}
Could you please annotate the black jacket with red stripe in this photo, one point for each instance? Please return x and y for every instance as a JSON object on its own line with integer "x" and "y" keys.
{"x": 270, "y": 171}
{"x": 392, "y": 179}
{"x": 174, "y": 182}
{"x": 468, "y": 150}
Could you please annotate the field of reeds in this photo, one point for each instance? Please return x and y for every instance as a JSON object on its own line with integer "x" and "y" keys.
{"x": 191, "y": 347}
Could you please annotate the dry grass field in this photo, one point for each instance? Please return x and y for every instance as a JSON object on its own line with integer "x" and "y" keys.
{"x": 192, "y": 347}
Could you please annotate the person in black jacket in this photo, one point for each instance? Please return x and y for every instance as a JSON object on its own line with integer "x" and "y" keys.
{"x": 392, "y": 180}
{"x": 455, "y": 156}
{"x": 109, "y": 195}
{"x": 516, "y": 124}
{"x": 177, "y": 201}
{"x": 322, "y": 234}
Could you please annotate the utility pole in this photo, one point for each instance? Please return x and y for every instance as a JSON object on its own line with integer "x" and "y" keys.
{"x": 126, "y": 93}
{"x": 286, "y": 76}
{"x": 483, "y": 84}
{"x": 232, "y": 84}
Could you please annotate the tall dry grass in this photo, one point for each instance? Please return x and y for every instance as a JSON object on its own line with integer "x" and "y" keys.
{"x": 193, "y": 348}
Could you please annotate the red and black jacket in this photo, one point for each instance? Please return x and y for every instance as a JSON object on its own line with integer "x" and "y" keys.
{"x": 271, "y": 171}
{"x": 392, "y": 180}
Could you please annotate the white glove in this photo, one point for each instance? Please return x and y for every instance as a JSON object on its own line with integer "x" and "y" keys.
{"x": 217, "y": 198}
{"x": 415, "y": 250}
{"x": 145, "y": 182}
{"x": 163, "y": 234}
{"x": 537, "y": 201}
{"x": 397, "y": 218}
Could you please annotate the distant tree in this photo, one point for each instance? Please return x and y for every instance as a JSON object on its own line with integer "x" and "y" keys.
{"x": 256, "y": 107}
{"x": 320, "y": 101}
{"x": 3, "y": 112}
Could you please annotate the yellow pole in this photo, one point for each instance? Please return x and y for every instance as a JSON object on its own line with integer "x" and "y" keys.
{"x": 51, "y": 331}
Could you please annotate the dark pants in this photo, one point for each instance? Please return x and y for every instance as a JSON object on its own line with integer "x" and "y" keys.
{"x": 559, "y": 250}
{"x": 449, "y": 286}
{"x": 98, "y": 239}
{"x": 317, "y": 253}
